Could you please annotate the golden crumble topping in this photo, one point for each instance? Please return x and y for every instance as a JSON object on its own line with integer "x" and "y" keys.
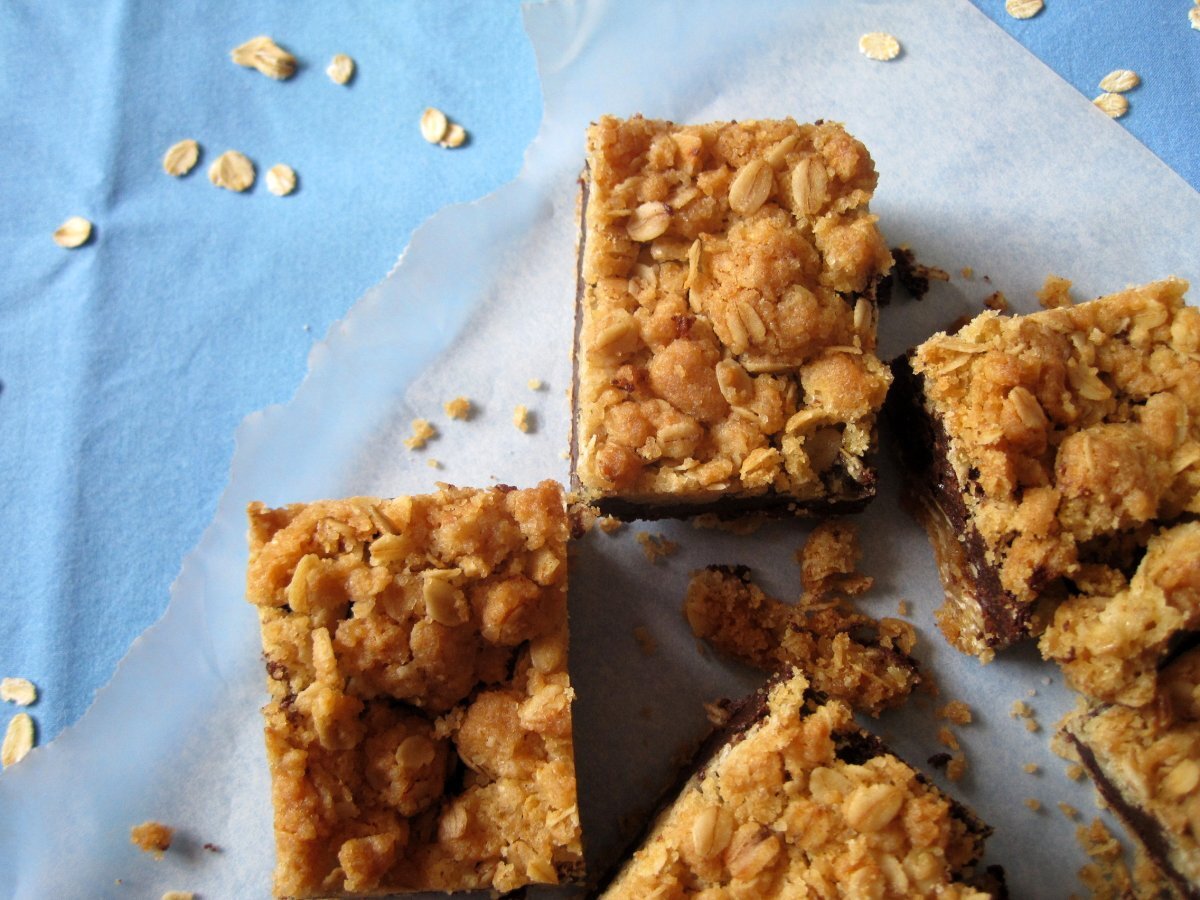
{"x": 152, "y": 837}
{"x": 727, "y": 317}
{"x": 844, "y": 653}
{"x": 1074, "y": 433}
{"x": 805, "y": 804}
{"x": 419, "y": 729}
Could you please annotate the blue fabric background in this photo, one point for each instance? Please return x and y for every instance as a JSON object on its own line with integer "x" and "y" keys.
{"x": 126, "y": 365}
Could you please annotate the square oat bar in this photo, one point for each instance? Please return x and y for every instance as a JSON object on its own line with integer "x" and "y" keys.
{"x": 725, "y": 323}
{"x": 419, "y": 727}
{"x": 1046, "y": 451}
{"x": 792, "y": 799}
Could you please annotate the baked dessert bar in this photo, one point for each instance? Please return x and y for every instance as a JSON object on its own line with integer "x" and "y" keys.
{"x": 419, "y": 726}
{"x": 1046, "y": 450}
{"x": 725, "y": 319}
{"x": 792, "y": 799}
{"x": 1146, "y": 764}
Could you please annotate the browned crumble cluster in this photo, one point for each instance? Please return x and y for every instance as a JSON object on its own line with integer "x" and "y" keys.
{"x": 726, "y": 345}
{"x": 803, "y": 803}
{"x": 844, "y": 653}
{"x": 152, "y": 837}
{"x": 419, "y": 728}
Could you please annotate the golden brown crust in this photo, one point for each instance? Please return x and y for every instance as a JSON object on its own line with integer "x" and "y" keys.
{"x": 727, "y": 333}
{"x": 782, "y": 812}
{"x": 419, "y": 729}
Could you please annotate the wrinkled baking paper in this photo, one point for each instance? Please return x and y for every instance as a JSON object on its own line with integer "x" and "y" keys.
{"x": 986, "y": 159}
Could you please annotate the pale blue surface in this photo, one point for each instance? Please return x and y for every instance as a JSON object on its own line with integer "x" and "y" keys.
{"x": 126, "y": 365}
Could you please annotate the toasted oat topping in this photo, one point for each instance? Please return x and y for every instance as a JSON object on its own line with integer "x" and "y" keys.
{"x": 232, "y": 171}
{"x": 20, "y": 691}
{"x": 422, "y": 433}
{"x": 1118, "y": 81}
{"x": 340, "y": 69}
{"x": 181, "y": 157}
{"x": 879, "y": 45}
{"x": 281, "y": 180}
{"x": 829, "y": 559}
{"x": 1112, "y": 105}
{"x": 1194, "y": 17}
{"x": 782, "y": 813}
{"x": 522, "y": 419}
{"x": 458, "y": 408}
{"x": 18, "y": 739}
{"x": 416, "y": 651}
{"x": 655, "y": 546}
{"x": 957, "y": 767}
{"x": 433, "y": 125}
{"x": 455, "y": 136}
{"x": 728, "y": 329}
{"x": 152, "y": 837}
{"x": 263, "y": 54}
{"x": 535, "y": 384}
{"x": 957, "y": 712}
{"x": 75, "y": 232}
{"x": 1023, "y": 9}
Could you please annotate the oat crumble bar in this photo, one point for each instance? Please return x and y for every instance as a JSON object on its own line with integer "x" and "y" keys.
{"x": 419, "y": 727}
{"x": 792, "y": 799}
{"x": 1047, "y": 450}
{"x": 726, "y": 311}
{"x": 1146, "y": 764}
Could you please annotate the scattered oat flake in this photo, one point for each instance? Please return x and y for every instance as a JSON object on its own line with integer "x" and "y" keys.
{"x": 281, "y": 180}
{"x": 20, "y": 691}
{"x": 73, "y": 233}
{"x": 879, "y": 45}
{"x": 266, "y": 56}
{"x": 645, "y": 640}
{"x": 433, "y": 125}
{"x": 422, "y": 433}
{"x": 232, "y": 171}
{"x": 1194, "y": 17}
{"x": 655, "y": 546}
{"x": 340, "y": 69}
{"x": 1033, "y": 803}
{"x": 1118, "y": 81}
{"x": 1023, "y": 9}
{"x": 456, "y": 135}
{"x": 458, "y": 408}
{"x": 181, "y": 157}
{"x": 18, "y": 740}
{"x": 1112, "y": 105}
{"x": 957, "y": 712}
{"x": 521, "y": 418}
{"x": 535, "y": 384}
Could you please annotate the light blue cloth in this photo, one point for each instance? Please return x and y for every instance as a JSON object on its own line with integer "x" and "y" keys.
{"x": 125, "y": 365}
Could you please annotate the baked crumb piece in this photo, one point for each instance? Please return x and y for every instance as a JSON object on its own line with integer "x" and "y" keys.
{"x": 433, "y": 463}
{"x": 19, "y": 737}
{"x": 967, "y": 272}
{"x": 956, "y": 711}
{"x": 726, "y": 350}
{"x": 1068, "y": 810}
{"x": 655, "y": 546}
{"x": 903, "y": 608}
{"x": 957, "y": 767}
{"x": 829, "y": 559}
{"x": 645, "y": 640}
{"x": 20, "y": 691}
{"x": 1033, "y": 804}
{"x": 1055, "y": 292}
{"x": 610, "y": 524}
{"x": 996, "y": 301}
{"x": 844, "y": 653}
{"x": 1031, "y": 769}
{"x": 947, "y": 738}
{"x": 522, "y": 419}
{"x": 419, "y": 727}
{"x": 152, "y": 837}
{"x": 779, "y": 798}
{"x": 178, "y": 895}
{"x": 458, "y": 408}
{"x": 536, "y": 384}
{"x": 1075, "y": 772}
{"x": 1106, "y": 876}
{"x": 422, "y": 433}
{"x": 1046, "y": 451}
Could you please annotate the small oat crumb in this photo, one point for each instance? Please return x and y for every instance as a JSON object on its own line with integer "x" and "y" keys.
{"x": 1118, "y": 81}
{"x": 281, "y": 180}
{"x": 610, "y": 524}
{"x": 1032, "y": 726}
{"x": 879, "y": 45}
{"x": 655, "y": 546}
{"x": 1112, "y": 105}
{"x": 1020, "y": 710}
{"x": 181, "y": 157}
{"x": 1031, "y": 768}
{"x": 947, "y": 739}
{"x": 1032, "y": 692}
{"x": 1068, "y": 810}
{"x": 422, "y": 433}
{"x": 535, "y": 384}
{"x": 456, "y": 136}
{"x": 20, "y": 691}
{"x": 1023, "y": 9}
{"x": 18, "y": 740}
{"x": 902, "y": 608}
{"x": 968, "y": 272}
{"x": 957, "y": 712}
{"x": 645, "y": 640}
{"x": 521, "y": 418}
{"x": 232, "y": 171}
{"x": 266, "y": 56}
{"x": 957, "y": 767}
{"x": 996, "y": 301}
{"x": 458, "y": 408}
{"x": 340, "y": 69}
{"x": 1075, "y": 772}
{"x": 717, "y": 713}
{"x": 73, "y": 233}
{"x": 1194, "y": 17}
{"x": 433, "y": 463}
{"x": 178, "y": 895}
{"x": 1033, "y": 803}
{"x": 152, "y": 837}
{"x": 433, "y": 125}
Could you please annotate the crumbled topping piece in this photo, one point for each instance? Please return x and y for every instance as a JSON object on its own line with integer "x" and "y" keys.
{"x": 1033, "y": 804}
{"x": 266, "y": 56}
{"x": 434, "y": 125}
{"x": 1031, "y": 768}
{"x": 655, "y": 546}
{"x": 828, "y": 561}
{"x": 879, "y": 45}
{"x": 181, "y": 157}
{"x": 903, "y": 608}
{"x": 957, "y": 712}
{"x": 1055, "y": 292}
{"x": 1112, "y": 105}
{"x": 281, "y": 180}
{"x": 458, "y": 408}
{"x": 422, "y": 433}
{"x": 957, "y": 767}
{"x": 232, "y": 171}
{"x": 1075, "y": 772}
{"x": 522, "y": 418}
{"x": 340, "y": 69}
{"x": 1023, "y": 9}
{"x": 152, "y": 837}
{"x": 1118, "y": 81}
{"x": 20, "y": 691}
{"x": 914, "y": 276}
{"x": 536, "y": 384}
{"x": 433, "y": 463}
{"x": 610, "y": 524}
{"x": 74, "y": 232}
{"x": 947, "y": 739}
{"x": 967, "y": 272}
{"x": 18, "y": 739}
{"x": 178, "y": 895}
{"x": 1068, "y": 810}
{"x": 996, "y": 301}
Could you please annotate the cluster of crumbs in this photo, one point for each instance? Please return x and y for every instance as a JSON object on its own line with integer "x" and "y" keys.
{"x": 422, "y": 433}
{"x": 152, "y": 837}
{"x": 654, "y": 546}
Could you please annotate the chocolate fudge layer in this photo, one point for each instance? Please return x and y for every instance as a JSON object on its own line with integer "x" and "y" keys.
{"x": 1046, "y": 450}
{"x": 1146, "y": 764}
{"x": 419, "y": 727}
{"x": 792, "y": 799}
{"x": 725, "y": 332}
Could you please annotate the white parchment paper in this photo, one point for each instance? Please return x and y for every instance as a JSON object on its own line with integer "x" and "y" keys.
{"x": 987, "y": 160}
